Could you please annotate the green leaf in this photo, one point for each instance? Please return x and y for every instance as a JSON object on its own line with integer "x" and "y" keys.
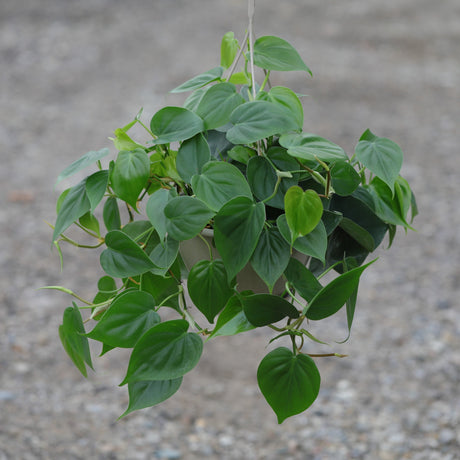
{"x": 308, "y": 147}
{"x": 303, "y": 210}
{"x": 358, "y": 233}
{"x": 130, "y": 175}
{"x": 344, "y": 178}
{"x": 240, "y": 78}
{"x": 86, "y": 160}
{"x": 74, "y": 205}
{"x": 303, "y": 280}
{"x": 208, "y": 287}
{"x": 333, "y": 296}
{"x": 218, "y": 183}
{"x": 172, "y": 124}
{"x": 271, "y": 256}
{"x": 228, "y": 49}
{"x": 381, "y": 156}
{"x": 191, "y": 103}
{"x": 331, "y": 220}
{"x": 186, "y": 217}
{"x": 111, "y": 214}
{"x": 130, "y": 315}
{"x": 74, "y": 342}
{"x": 265, "y": 309}
{"x": 287, "y": 99}
{"x": 241, "y": 154}
{"x": 274, "y": 53}
{"x": 148, "y": 393}
{"x": 160, "y": 287}
{"x": 155, "y": 209}
{"x": 232, "y": 320}
{"x": 96, "y": 186}
{"x": 257, "y": 120}
{"x": 290, "y": 383}
{"x": 163, "y": 255}
{"x": 314, "y": 244}
{"x": 122, "y": 140}
{"x": 107, "y": 289}
{"x": 193, "y": 154}
{"x": 200, "y": 80}
{"x": 90, "y": 222}
{"x": 237, "y": 228}
{"x": 217, "y": 104}
{"x": 123, "y": 257}
{"x": 166, "y": 351}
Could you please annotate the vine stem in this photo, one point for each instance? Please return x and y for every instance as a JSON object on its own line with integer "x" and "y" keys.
{"x": 251, "y": 11}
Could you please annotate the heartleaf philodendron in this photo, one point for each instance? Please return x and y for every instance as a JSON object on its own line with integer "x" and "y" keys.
{"x": 225, "y": 220}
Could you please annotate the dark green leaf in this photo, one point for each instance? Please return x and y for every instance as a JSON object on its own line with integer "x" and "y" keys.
{"x": 130, "y": 315}
{"x": 155, "y": 209}
{"x": 290, "y": 383}
{"x": 186, "y": 217}
{"x": 274, "y": 53}
{"x": 331, "y": 220}
{"x": 163, "y": 255}
{"x": 193, "y": 154}
{"x": 160, "y": 287}
{"x": 360, "y": 234}
{"x": 218, "y": 183}
{"x": 232, "y": 320}
{"x": 148, "y": 393}
{"x": 333, "y": 296}
{"x": 265, "y": 309}
{"x": 303, "y": 280}
{"x": 345, "y": 179}
{"x": 381, "y": 156}
{"x": 74, "y": 205}
{"x": 74, "y": 342}
{"x": 271, "y": 256}
{"x": 303, "y": 210}
{"x": 111, "y": 214}
{"x": 166, "y": 351}
{"x": 217, "y": 104}
{"x": 96, "y": 186}
{"x": 200, "y": 80}
{"x": 123, "y": 256}
{"x": 237, "y": 228}
{"x": 87, "y": 159}
{"x": 130, "y": 175}
{"x": 257, "y": 120}
{"x": 208, "y": 287}
{"x": 172, "y": 124}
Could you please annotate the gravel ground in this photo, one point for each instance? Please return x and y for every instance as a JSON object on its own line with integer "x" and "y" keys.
{"x": 72, "y": 71}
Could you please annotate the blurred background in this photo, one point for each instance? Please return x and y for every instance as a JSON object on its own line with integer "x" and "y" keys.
{"x": 72, "y": 71}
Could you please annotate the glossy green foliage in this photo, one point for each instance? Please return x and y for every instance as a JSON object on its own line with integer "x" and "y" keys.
{"x": 227, "y": 219}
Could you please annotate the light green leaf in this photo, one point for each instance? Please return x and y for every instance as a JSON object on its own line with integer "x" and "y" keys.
{"x": 264, "y": 309}
{"x": 166, "y": 351}
{"x": 90, "y": 222}
{"x": 130, "y": 175}
{"x": 228, "y": 49}
{"x": 200, "y": 80}
{"x": 208, "y": 287}
{"x": 172, "y": 124}
{"x": 257, "y": 120}
{"x": 241, "y": 153}
{"x": 193, "y": 154}
{"x": 155, "y": 209}
{"x": 274, "y": 53}
{"x": 237, "y": 227}
{"x": 290, "y": 383}
{"x": 123, "y": 257}
{"x": 217, "y": 104}
{"x": 130, "y": 315}
{"x": 303, "y": 210}
{"x": 186, "y": 217}
{"x": 334, "y": 295}
{"x": 122, "y": 140}
{"x": 218, "y": 183}
{"x": 86, "y": 160}
{"x": 381, "y": 156}
{"x": 148, "y": 393}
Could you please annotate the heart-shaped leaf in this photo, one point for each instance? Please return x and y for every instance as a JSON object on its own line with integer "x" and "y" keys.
{"x": 186, "y": 217}
{"x": 303, "y": 280}
{"x": 290, "y": 383}
{"x": 208, "y": 287}
{"x": 163, "y": 255}
{"x": 155, "y": 209}
{"x": 303, "y": 210}
{"x": 96, "y": 186}
{"x": 166, "y": 351}
{"x": 111, "y": 214}
{"x": 130, "y": 315}
{"x": 123, "y": 256}
{"x": 237, "y": 227}
{"x": 265, "y": 309}
{"x": 200, "y": 80}
{"x": 130, "y": 175}
{"x": 193, "y": 154}
{"x": 344, "y": 178}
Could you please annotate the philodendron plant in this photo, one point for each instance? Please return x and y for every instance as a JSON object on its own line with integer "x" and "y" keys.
{"x": 233, "y": 171}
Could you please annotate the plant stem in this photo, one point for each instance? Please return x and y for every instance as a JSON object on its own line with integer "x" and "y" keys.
{"x": 207, "y": 244}
{"x": 325, "y": 355}
{"x": 251, "y": 11}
